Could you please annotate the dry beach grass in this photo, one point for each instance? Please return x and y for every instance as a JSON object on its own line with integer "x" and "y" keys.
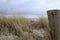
{"x": 22, "y": 28}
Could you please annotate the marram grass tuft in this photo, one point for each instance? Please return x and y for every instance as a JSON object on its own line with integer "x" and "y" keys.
{"x": 22, "y": 27}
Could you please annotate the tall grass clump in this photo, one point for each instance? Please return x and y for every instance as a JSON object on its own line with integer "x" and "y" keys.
{"x": 43, "y": 22}
{"x": 21, "y": 27}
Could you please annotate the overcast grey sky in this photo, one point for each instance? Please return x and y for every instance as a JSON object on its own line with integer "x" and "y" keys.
{"x": 29, "y": 8}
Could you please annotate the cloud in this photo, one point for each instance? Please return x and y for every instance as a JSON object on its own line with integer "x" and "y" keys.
{"x": 28, "y": 5}
{"x": 31, "y": 7}
{"x": 52, "y": 4}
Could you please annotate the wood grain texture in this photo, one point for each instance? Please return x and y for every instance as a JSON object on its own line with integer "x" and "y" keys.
{"x": 54, "y": 23}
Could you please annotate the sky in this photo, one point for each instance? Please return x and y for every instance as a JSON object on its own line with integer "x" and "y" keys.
{"x": 28, "y": 8}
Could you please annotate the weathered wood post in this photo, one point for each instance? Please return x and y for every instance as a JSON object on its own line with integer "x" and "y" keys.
{"x": 54, "y": 23}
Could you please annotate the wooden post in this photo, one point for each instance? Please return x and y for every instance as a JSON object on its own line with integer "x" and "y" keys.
{"x": 54, "y": 23}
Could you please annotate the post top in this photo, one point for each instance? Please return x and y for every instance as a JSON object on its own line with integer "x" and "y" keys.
{"x": 55, "y": 10}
